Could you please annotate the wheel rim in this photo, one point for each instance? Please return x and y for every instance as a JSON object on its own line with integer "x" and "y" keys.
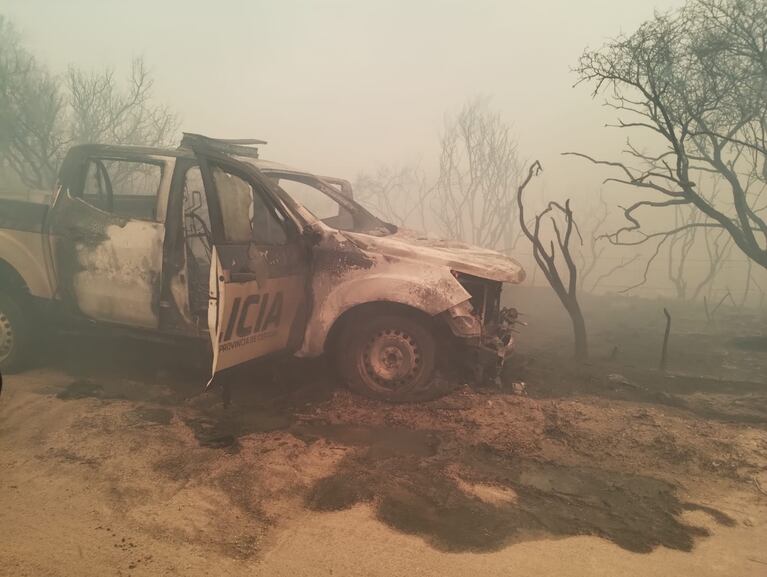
{"x": 392, "y": 360}
{"x": 6, "y": 336}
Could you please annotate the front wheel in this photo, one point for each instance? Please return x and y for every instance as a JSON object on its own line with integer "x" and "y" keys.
{"x": 13, "y": 334}
{"x": 389, "y": 356}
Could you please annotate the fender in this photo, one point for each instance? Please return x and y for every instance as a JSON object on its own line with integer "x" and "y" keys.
{"x": 25, "y": 252}
{"x": 432, "y": 290}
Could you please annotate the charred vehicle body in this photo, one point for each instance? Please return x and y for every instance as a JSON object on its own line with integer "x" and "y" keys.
{"x": 209, "y": 241}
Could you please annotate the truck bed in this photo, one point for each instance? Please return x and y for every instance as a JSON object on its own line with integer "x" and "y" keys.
{"x": 22, "y": 215}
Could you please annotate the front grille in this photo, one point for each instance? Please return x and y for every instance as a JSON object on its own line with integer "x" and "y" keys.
{"x": 485, "y": 296}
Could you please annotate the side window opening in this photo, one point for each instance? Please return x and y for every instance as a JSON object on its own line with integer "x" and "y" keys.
{"x": 311, "y": 198}
{"x": 248, "y": 216}
{"x": 123, "y": 187}
{"x": 321, "y": 205}
{"x": 95, "y": 191}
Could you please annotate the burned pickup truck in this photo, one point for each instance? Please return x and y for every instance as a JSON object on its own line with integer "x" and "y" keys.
{"x": 209, "y": 241}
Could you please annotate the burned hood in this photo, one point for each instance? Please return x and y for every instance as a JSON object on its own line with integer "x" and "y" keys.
{"x": 458, "y": 256}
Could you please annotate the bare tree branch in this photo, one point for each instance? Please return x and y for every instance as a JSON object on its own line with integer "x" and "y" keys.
{"x": 696, "y": 78}
{"x": 473, "y": 197}
{"x": 566, "y": 289}
{"x": 42, "y": 115}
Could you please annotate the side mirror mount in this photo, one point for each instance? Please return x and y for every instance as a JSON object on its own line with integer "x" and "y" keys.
{"x": 312, "y": 235}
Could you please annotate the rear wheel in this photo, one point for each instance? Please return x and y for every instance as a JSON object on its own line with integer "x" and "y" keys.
{"x": 13, "y": 334}
{"x": 388, "y": 355}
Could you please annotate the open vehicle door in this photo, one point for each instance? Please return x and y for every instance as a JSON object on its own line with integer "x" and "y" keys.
{"x": 260, "y": 264}
{"x": 107, "y": 229}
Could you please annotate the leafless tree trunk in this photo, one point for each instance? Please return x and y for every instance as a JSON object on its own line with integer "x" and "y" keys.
{"x": 590, "y": 258}
{"x": 718, "y": 248}
{"x": 679, "y": 251}
{"x": 547, "y": 258}
{"x": 666, "y": 333}
{"x": 473, "y": 197}
{"x": 747, "y": 287}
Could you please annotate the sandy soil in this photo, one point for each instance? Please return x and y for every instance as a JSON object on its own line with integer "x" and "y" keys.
{"x": 112, "y": 462}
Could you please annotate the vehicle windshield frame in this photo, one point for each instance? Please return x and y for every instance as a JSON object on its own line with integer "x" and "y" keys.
{"x": 359, "y": 212}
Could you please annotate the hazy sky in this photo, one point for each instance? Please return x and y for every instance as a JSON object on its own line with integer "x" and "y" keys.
{"x": 338, "y": 86}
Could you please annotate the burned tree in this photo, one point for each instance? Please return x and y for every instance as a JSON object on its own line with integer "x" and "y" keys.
{"x": 593, "y": 251}
{"x": 472, "y": 196}
{"x": 32, "y": 108}
{"x": 101, "y": 110}
{"x": 694, "y": 81}
{"x": 718, "y": 248}
{"x": 717, "y": 244}
{"x": 679, "y": 250}
{"x": 566, "y": 289}
{"x": 42, "y": 114}
{"x": 478, "y": 169}
{"x": 398, "y": 194}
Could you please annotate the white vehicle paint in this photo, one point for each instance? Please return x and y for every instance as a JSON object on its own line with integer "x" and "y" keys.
{"x": 113, "y": 249}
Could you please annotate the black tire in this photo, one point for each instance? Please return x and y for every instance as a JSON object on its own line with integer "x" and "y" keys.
{"x": 14, "y": 334}
{"x": 388, "y": 355}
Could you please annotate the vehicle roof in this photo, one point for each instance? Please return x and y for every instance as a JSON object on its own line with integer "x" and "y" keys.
{"x": 129, "y": 150}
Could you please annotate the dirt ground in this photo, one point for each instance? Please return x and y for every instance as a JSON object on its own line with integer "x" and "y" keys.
{"x": 113, "y": 462}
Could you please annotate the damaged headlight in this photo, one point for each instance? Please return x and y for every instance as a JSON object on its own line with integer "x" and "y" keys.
{"x": 462, "y": 320}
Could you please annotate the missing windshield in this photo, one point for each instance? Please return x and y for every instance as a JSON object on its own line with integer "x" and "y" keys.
{"x": 333, "y": 206}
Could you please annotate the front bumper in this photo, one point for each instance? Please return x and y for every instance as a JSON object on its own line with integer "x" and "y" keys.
{"x": 489, "y": 344}
{"x": 498, "y": 337}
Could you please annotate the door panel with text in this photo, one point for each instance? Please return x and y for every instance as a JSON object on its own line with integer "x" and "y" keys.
{"x": 259, "y": 269}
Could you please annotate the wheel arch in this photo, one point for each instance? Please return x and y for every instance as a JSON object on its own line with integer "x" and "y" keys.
{"x": 381, "y": 307}
{"x": 425, "y": 293}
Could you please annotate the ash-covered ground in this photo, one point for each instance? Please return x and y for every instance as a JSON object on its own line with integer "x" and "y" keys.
{"x": 112, "y": 457}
